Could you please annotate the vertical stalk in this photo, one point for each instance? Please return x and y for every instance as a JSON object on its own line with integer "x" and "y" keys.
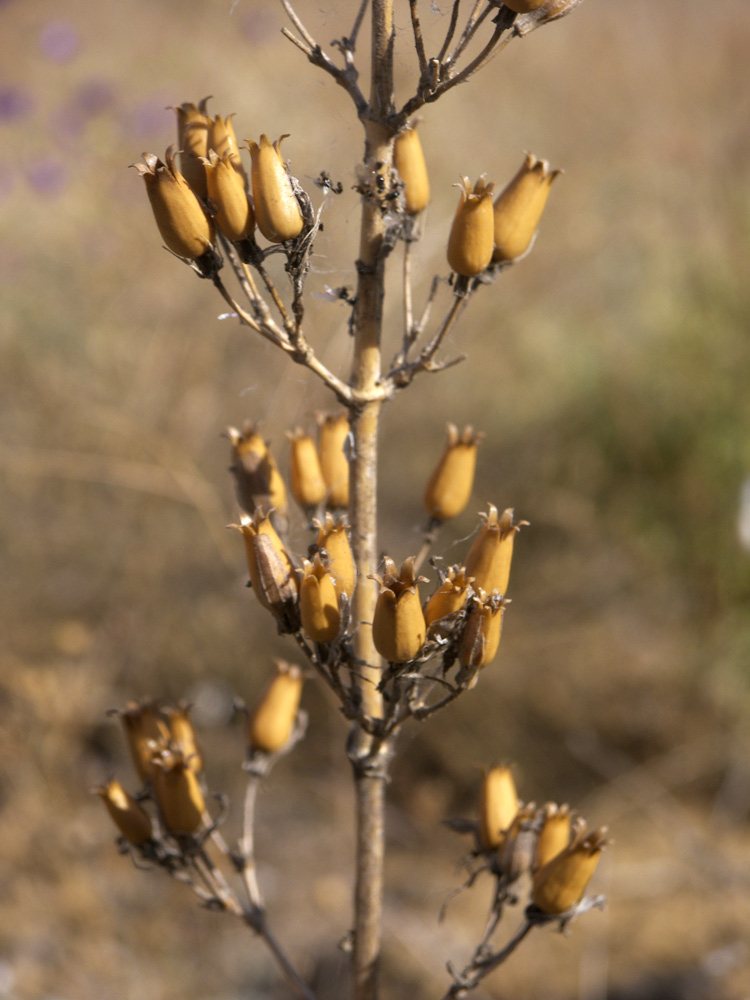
{"x": 370, "y": 774}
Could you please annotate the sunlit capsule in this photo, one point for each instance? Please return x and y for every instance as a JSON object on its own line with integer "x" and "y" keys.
{"x": 561, "y": 883}
{"x": 272, "y": 721}
{"x": 333, "y": 431}
{"x": 398, "y": 625}
{"x": 518, "y": 209}
{"x": 178, "y": 793}
{"x": 449, "y": 487}
{"x": 472, "y": 235}
{"x": 131, "y": 820}
{"x": 409, "y": 161}
{"x": 498, "y": 805}
{"x": 334, "y": 540}
{"x": 234, "y": 213}
{"x": 318, "y": 601}
{"x": 277, "y": 210}
{"x": 192, "y": 138}
{"x": 490, "y": 556}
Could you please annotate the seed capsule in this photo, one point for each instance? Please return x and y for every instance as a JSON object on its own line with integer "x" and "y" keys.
{"x": 234, "y": 213}
{"x": 498, "y": 805}
{"x": 449, "y": 487}
{"x": 409, "y": 161}
{"x": 306, "y": 475}
{"x": 519, "y": 208}
{"x": 334, "y": 540}
{"x": 271, "y": 723}
{"x": 183, "y": 735}
{"x": 515, "y": 855}
{"x": 178, "y": 794}
{"x": 523, "y": 6}
{"x": 257, "y": 478}
{"x": 222, "y": 139}
{"x": 277, "y": 211}
{"x": 398, "y": 625}
{"x": 548, "y": 11}
{"x": 490, "y": 556}
{"x": 481, "y": 635}
{"x": 146, "y": 733}
{"x": 130, "y": 819}
{"x": 554, "y": 835}
{"x": 333, "y": 431}
{"x": 192, "y": 138}
{"x": 185, "y": 228}
{"x": 271, "y": 571}
{"x": 472, "y": 234}
{"x": 561, "y": 883}
{"x": 449, "y": 597}
{"x": 318, "y": 601}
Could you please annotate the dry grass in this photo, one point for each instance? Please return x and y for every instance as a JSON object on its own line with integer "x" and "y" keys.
{"x": 609, "y": 372}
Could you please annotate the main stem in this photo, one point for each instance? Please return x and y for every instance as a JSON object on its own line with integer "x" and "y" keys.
{"x": 370, "y": 763}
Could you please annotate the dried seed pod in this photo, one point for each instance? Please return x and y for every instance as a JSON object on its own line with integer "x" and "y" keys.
{"x": 271, "y": 571}
{"x": 550, "y": 10}
{"x": 131, "y": 820}
{"x": 222, "y": 139}
{"x": 318, "y": 601}
{"x": 333, "y": 431}
{"x": 481, "y": 635}
{"x": 234, "y": 213}
{"x": 398, "y": 625}
{"x": 515, "y": 855}
{"x": 561, "y": 883}
{"x": 178, "y": 793}
{"x": 450, "y": 596}
{"x": 193, "y": 124}
{"x": 334, "y": 540}
{"x": 272, "y": 721}
{"x": 147, "y": 735}
{"x": 277, "y": 211}
{"x": 523, "y": 6}
{"x": 491, "y": 554}
{"x": 498, "y": 805}
{"x": 257, "y": 478}
{"x": 184, "y": 226}
{"x": 409, "y": 161}
{"x": 518, "y": 208}
{"x": 472, "y": 235}
{"x": 554, "y": 835}
{"x": 183, "y": 735}
{"x": 306, "y": 476}
{"x": 449, "y": 487}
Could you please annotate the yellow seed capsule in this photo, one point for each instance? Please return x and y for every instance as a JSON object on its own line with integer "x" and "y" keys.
{"x": 184, "y": 226}
{"x": 192, "y": 138}
{"x": 408, "y": 159}
{"x": 271, "y": 571}
{"x": 519, "y": 208}
{"x": 490, "y": 556}
{"x": 554, "y": 836}
{"x": 257, "y": 478}
{"x": 333, "y": 431}
{"x": 318, "y": 601}
{"x": 498, "y": 805}
{"x": 234, "y": 213}
{"x": 523, "y": 6}
{"x": 222, "y": 139}
{"x": 449, "y": 487}
{"x": 306, "y": 475}
{"x": 481, "y": 635}
{"x": 449, "y": 597}
{"x": 271, "y": 723}
{"x": 333, "y": 539}
{"x": 277, "y": 211}
{"x": 130, "y": 819}
{"x": 178, "y": 794}
{"x": 472, "y": 235}
{"x": 183, "y": 735}
{"x": 398, "y": 625}
{"x": 561, "y": 883}
{"x": 147, "y": 735}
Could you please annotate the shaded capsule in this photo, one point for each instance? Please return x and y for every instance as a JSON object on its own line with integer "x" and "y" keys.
{"x": 277, "y": 212}
{"x": 271, "y": 571}
{"x": 523, "y": 6}
{"x": 272, "y": 721}
{"x": 333, "y": 539}
{"x": 306, "y": 475}
{"x": 554, "y": 834}
{"x": 131, "y": 820}
{"x": 226, "y": 189}
{"x": 409, "y": 161}
{"x": 398, "y": 625}
{"x": 147, "y": 735}
{"x": 184, "y": 226}
{"x": 518, "y": 208}
{"x": 498, "y": 805}
{"x": 193, "y": 124}
{"x": 449, "y": 487}
{"x": 472, "y": 234}
{"x": 178, "y": 793}
{"x": 257, "y": 478}
{"x": 548, "y": 11}
{"x": 490, "y": 556}
{"x": 561, "y": 883}
{"x": 333, "y": 432}
{"x": 183, "y": 735}
{"x": 449, "y": 597}
{"x": 481, "y": 635}
{"x": 222, "y": 139}
{"x": 318, "y": 601}
{"x": 515, "y": 856}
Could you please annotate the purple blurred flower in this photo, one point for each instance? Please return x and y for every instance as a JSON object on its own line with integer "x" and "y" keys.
{"x": 59, "y": 40}
{"x": 47, "y": 176}
{"x": 15, "y": 103}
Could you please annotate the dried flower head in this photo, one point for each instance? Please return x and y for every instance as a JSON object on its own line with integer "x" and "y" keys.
{"x": 518, "y": 208}
{"x": 471, "y": 239}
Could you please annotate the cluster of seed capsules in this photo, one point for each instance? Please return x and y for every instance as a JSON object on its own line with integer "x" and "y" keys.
{"x": 212, "y": 191}
{"x": 462, "y": 618}
{"x": 550, "y": 845}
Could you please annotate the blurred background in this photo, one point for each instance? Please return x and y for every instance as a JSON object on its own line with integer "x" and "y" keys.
{"x": 609, "y": 372}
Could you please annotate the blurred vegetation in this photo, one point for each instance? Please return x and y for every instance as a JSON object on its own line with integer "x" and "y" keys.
{"x": 609, "y": 373}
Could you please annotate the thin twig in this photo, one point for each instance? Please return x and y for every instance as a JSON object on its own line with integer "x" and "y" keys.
{"x": 416, "y": 27}
{"x": 451, "y": 31}
{"x": 354, "y": 33}
{"x": 475, "y": 972}
{"x": 472, "y": 24}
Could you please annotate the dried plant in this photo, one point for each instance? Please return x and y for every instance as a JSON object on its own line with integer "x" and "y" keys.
{"x": 358, "y": 622}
